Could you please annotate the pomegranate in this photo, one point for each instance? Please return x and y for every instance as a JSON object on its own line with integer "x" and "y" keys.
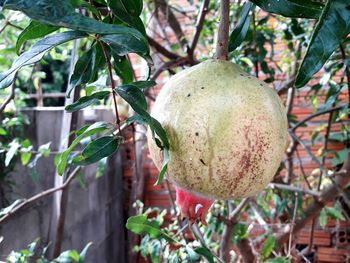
{"x": 227, "y": 132}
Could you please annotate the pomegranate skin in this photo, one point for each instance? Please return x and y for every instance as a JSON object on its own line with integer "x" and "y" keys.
{"x": 227, "y": 130}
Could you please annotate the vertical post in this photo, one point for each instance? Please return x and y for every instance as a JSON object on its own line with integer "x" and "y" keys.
{"x": 60, "y": 198}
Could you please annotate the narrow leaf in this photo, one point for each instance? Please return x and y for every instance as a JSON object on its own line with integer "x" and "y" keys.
{"x": 134, "y": 7}
{"x": 122, "y": 10}
{"x": 86, "y": 101}
{"x": 141, "y": 225}
{"x": 83, "y": 69}
{"x": 291, "y": 8}
{"x": 205, "y": 253}
{"x": 98, "y": 149}
{"x": 35, "y": 53}
{"x": 123, "y": 68}
{"x": 134, "y": 97}
{"x": 268, "y": 246}
{"x": 84, "y": 252}
{"x": 62, "y": 13}
{"x": 33, "y": 31}
{"x": 239, "y": 33}
{"x": 334, "y": 213}
{"x": 144, "y": 84}
{"x": 164, "y": 166}
{"x": 122, "y": 44}
{"x": 332, "y": 28}
{"x": 93, "y": 129}
{"x": 323, "y": 219}
{"x": 14, "y": 146}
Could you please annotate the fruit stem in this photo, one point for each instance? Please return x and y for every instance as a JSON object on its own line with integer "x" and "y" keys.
{"x": 223, "y": 33}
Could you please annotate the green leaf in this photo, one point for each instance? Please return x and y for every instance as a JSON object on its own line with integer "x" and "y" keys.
{"x": 134, "y": 96}
{"x": 323, "y": 219}
{"x": 33, "y": 31}
{"x": 84, "y": 252}
{"x": 205, "y": 253}
{"x": 340, "y": 157}
{"x": 268, "y": 246}
{"x": 137, "y": 119}
{"x": 62, "y": 13}
{"x": 144, "y": 84}
{"x": 122, "y": 44}
{"x": 193, "y": 256}
{"x": 141, "y": 225}
{"x": 44, "y": 149}
{"x": 123, "y": 68}
{"x": 120, "y": 10}
{"x": 332, "y": 28}
{"x": 86, "y": 101}
{"x": 99, "y": 62}
{"x": 98, "y": 149}
{"x": 278, "y": 260}
{"x": 2, "y": 131}
{"x": 83, "y": 69}
{"x": 334, "y": 213}
{"x": 291, "y": 8}
{"x": 93, "y": 129}
{"x": 35, "y": 53}
{"x": 134, "y": 7}
{"x": 14, "y": 146}
{"x": 240, "y": 231}
{"x": 26, "y": 146}
{"x": 239, "y": 33}
{"x": 164, "y": 166}
{"x": 136, "y": 99}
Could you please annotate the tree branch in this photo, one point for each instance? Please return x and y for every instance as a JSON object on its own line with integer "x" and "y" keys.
{"x": 37, "y": 197}
{"x": 341, "y": 179}
{"x": 300, "y": 123}
{"x": 110, "y": 74}
{"x": 223, "y": 31}
{"x": 308, "y": 150}
{"x": 286, "y": 87}
{"x": 173, "y": 22}
{"x": 228, "y": 228}
{"x": 162, "y": 50}
{"x": 10, "y": 97}
{"x": 199, "y": 26}
{"x": 292, "y": 189}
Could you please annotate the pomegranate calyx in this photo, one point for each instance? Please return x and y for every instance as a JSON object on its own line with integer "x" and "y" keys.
{"x": 193, "y": 206}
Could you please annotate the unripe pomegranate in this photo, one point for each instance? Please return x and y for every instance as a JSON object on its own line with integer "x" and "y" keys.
{"x": 227, "y": 132}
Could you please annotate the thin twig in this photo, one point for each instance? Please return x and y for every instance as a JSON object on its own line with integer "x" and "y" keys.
{"x": 341, "y": 179}
{"x": 307, "y": 149}
{"x": 173, "y": 22}
{"x": 199, "y": 26}
{"x": 110, "y": 73}
{"x": 178, "y": 219}
{"x": 292, "y": 189}
{"x": 228, "y": 228}
{"x": 199, "y": 236}
{"x": 256, "y": 63}
{"x": 292, "y": 225}
{"x": 161, "y": 49}
{"x": 10, "y": 97}
{"x": 170, "y": 64}
{"x": 313, "y": 224}
{"x": 223, "y": 31}
{"x": 39, "y": 196}
{"x": 300, "y": 123}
